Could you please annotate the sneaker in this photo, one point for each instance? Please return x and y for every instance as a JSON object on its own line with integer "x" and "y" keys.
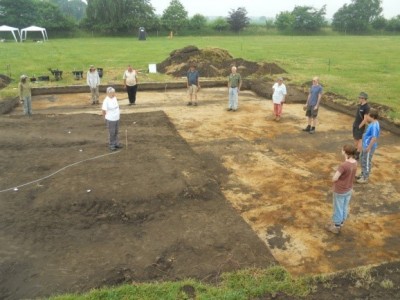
{"x": 359, "y": 176}
{"x": 189, "y": 103}
{"x": 229, "y": 109}
{"x": 119, "y": 146}
{"x": 362, "y": 180}
{"x": 332, "y": 228}
{"x": 307, "y": 129}
{"x": 233, "y": 110}
{"x": 195, "y": 104}
{"x": 312, "y": 131}
{"x": 113, "y": 149}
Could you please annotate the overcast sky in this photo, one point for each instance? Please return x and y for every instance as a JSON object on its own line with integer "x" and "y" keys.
{"x": 269, "y": 9}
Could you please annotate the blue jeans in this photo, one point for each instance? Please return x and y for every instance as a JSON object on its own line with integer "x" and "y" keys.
{"x": 366, "y": 162}
{"x": 341, "y": 207}
{"x": 233, "y": 98}
{"x": 27, "y": 105}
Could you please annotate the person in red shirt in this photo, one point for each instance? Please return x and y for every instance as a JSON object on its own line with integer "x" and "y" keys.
{"x": 343, "y": 188}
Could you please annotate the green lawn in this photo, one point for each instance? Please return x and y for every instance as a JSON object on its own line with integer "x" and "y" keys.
{"x": 345, "y": 64}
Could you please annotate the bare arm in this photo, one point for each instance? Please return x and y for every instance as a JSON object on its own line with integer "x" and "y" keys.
{"x": 336, "y": 176}
{"x": 364, "y": 121}
{"x": 318, "y": 101}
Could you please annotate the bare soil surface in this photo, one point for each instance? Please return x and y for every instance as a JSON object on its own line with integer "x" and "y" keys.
{"x": 213, "y": 62}
{"x": 195, "y": 191}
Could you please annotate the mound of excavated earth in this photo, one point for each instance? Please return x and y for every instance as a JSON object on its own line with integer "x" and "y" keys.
{"x": 4, "y": 81}
{"x": 213, "y": 62}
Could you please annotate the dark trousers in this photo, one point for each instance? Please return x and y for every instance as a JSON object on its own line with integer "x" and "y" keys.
{"x": 113, "y": 127}
{"x": 131, "y": 90}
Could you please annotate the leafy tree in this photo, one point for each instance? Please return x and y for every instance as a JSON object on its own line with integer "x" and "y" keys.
{"x": 23, "y": 13}
{"x": 220, "y": 24}
{"x": 75, "y": 9}
{"x": 270, "y": 23}
{"x": 48, "y": 15}
{"x": 379, "y": 23}
{"x": 301, "y": 19}
{"x": 357, "y": 16}
{"x": 308, "y": 19}
{"x": 119, "y": 15}
{"x": 174, "y": 16}
{"x": 238, "y": 19}
{"x": 17, "y": 13}
{"x": 284, "y": 21}
{"x": 197, "y": 22}
{"x": 393, "y": 24}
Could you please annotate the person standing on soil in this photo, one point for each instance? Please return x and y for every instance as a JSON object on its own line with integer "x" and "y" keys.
{"x": 93, "y": 81}
{"x": 312, "y": 105}
{"x": 343, "y": 188}
{"x": 25, "y": 94}
{"x": 130, "y": 83}
{"x": 234, "y": 85}
{"x": 278, "y": 97}
{"x": 360, "y": 122}
{"x": 110, "y": 109}
{"x": 369, "y": 144}
{"x": 193, "y": 84}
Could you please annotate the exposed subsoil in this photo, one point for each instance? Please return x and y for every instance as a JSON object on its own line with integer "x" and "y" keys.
{"x": 196, "y": 191}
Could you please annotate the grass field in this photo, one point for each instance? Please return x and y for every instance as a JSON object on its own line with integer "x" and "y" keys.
{"x": 345, "y": 64}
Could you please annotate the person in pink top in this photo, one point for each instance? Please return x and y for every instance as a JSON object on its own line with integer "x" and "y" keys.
{"x": 343, "y": 188}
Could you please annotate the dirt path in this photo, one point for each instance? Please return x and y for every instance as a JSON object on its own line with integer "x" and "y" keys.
{"x": 275, "y": 176}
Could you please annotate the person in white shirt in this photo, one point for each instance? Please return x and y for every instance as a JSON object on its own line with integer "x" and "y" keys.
{"x": 110, "y": 109}
{"x": 278, "y": 97}
{"x": 93, "y": 81}
{"x": 130, "y": 82}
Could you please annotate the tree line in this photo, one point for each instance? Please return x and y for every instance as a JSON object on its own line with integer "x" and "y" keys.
{"x": 126, "y": 16}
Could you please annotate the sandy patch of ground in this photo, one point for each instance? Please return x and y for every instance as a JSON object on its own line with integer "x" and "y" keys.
{"x": 276, "y": 177}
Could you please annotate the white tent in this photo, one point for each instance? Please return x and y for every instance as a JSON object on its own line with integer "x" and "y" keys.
{"x": 12, "y": 30}
{"x": 33, "y": 28}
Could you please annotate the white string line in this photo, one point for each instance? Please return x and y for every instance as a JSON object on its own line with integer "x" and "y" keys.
{"x": 52, "y": 174}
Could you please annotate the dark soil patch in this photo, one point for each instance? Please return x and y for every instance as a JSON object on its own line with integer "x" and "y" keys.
{"x": 213, "y": 62}
{"x": 4, "y": 81}
{"x": 149, "y": 212}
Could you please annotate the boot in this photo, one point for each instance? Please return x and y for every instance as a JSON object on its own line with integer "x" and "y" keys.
{"x": 307, "y": 129}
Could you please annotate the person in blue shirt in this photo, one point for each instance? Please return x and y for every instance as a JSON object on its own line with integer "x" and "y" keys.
{"x": 369, "y": 144}
{"x": 312, "y": 105}
{"x": 193, "y": 84}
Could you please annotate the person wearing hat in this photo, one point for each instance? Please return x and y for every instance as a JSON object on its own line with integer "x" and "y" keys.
{"x": 278, "y": 97}
{"x": 110, "y": 110}
{"x": 193, "y": 84}
{"x": 25, "y": 94}
{"x": 360, "y": 122}
{"x": 93, "y": 81}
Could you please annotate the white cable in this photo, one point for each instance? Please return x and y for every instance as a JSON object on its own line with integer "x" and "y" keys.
{"x": 52, "y": 174}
